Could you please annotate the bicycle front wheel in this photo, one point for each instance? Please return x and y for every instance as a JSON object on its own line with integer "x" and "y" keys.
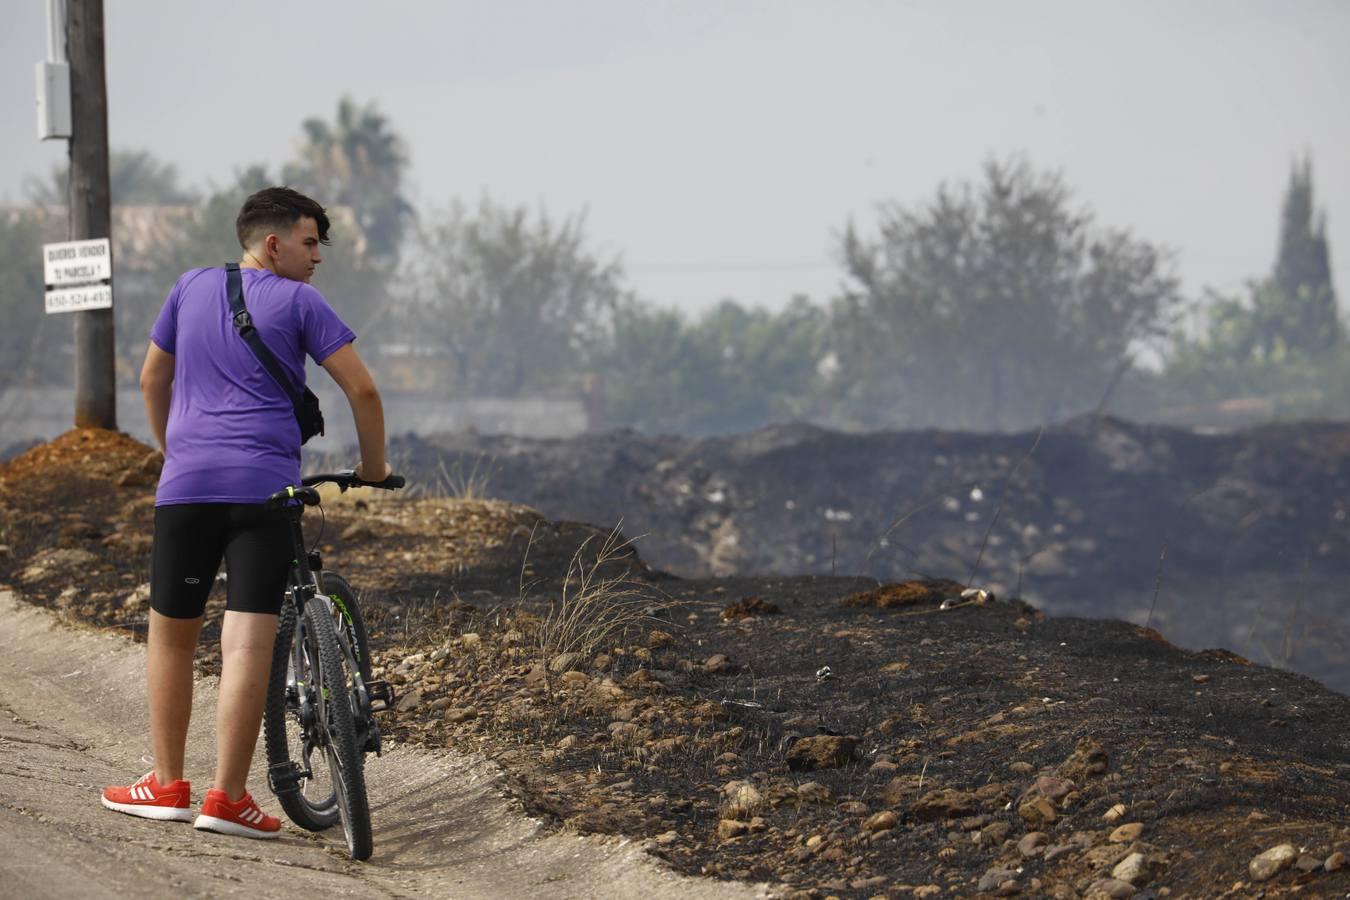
{"x": 346, "y": 763}
{"x": 349, "y": 615}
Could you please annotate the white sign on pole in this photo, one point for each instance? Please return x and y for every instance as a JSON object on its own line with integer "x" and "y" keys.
{"x": 76, "y": 262}
{"x": 75, "y": 299}
{"x": 78, "y": 275}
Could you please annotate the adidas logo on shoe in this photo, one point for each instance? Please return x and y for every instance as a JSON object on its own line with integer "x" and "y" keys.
{"x": 242, "y": 818}
{"x": 149, "y": 799}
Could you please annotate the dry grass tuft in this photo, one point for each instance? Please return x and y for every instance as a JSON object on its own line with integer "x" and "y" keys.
{"x": 594, "y": 607}
{"x": 460, "y": 484}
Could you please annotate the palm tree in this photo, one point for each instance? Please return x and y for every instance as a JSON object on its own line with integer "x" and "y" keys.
{"x": 359, "y": 162}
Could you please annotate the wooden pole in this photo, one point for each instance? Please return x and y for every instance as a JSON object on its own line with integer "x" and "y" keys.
{"x": 90, "y": 207}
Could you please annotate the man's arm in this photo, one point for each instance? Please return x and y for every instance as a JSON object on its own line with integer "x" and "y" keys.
{"x": 157, "y": 388}
{"x": 352, "y": 376}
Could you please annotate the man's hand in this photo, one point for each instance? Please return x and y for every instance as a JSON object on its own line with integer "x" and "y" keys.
{"x": 360, "y": 474}
{"x": 153, "y": 462}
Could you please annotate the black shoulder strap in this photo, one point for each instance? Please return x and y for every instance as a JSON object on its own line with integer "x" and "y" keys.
{"x": 243, "y": 323}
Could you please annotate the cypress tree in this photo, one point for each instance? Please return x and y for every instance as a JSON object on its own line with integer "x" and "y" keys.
{"x": 1302, "y": 278}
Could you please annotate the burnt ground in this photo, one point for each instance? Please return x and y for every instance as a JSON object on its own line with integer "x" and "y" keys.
{"x": 1239, "y": 539}
{"x": 831, "y": 735}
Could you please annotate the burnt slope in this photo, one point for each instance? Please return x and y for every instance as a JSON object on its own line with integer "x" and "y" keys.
{"x": 1255, "y": 524}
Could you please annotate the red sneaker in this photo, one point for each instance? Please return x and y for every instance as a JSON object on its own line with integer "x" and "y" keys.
{"x": 149, "y": 799}
{"x": 242, "y": 818}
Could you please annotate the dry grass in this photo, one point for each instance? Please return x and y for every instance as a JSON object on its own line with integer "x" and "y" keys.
{"x": 461, "y": 484}
{"x": 595, "y": 608}
{"x": 454, "y": 481}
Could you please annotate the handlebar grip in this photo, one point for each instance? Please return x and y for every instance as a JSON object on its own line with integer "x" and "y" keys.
{"x": 392, "y": 483}
{"x": 347, "y": 479}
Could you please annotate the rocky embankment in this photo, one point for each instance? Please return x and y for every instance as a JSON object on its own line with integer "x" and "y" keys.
{"x": 830, "y": 736}
{"x": 1235, "y": 540}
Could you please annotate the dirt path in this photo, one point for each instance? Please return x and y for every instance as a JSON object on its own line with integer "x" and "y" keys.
{"x": 72, "y": 720}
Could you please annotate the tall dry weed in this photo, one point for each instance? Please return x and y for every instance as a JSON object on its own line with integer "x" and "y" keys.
{"x": 595, "y": 608}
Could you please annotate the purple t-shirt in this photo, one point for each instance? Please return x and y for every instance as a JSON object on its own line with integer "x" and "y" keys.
{"x": 232, "y": 434}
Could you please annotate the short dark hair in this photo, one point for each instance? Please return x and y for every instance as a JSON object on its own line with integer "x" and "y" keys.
{"x": 274, "y": 209}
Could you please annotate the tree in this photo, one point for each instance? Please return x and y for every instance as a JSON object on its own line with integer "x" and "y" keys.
{"x": 998, "y": 305}
{"x": 732, "y": 369}
{"x": 36, "y": 347}
{"x": 1302, "y": 276}
{"x": 357, "y": 161}
{"x": 1280, "y": 340}
{"x": 513, "y": 300}
{"x": 136, "y": 178}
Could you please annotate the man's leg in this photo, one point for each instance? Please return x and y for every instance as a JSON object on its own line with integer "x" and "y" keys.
{"x": 189, "y": 542}
{"x": 171, "y": 645}
{"x": 246, "y": 661}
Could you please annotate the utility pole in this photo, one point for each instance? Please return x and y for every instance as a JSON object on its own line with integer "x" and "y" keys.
{"x": 90, "y": 206}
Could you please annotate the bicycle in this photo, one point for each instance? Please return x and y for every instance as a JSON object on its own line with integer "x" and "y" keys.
{"x": 320, "y": 694}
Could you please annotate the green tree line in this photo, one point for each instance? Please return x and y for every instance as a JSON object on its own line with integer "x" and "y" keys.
{"x": 999, "y": 303}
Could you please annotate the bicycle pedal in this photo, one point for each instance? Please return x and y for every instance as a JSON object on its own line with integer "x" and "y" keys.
{"x": 381, "y": 695}
{"x": 284, "y": 778}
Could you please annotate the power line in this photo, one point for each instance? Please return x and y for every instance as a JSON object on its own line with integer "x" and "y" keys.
{"x": 724, "y": 266}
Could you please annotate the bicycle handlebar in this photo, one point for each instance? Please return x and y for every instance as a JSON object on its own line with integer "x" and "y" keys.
{"x": 344, "y": 479}
{"x": 347, "y": 479}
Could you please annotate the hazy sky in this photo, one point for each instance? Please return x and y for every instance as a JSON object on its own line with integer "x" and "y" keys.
{"x": 719, "y": 147}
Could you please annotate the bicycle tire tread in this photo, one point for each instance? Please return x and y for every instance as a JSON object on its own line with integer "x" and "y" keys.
{"x": 337, "y": 712}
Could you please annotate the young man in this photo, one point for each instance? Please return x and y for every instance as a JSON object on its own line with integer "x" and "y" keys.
{"x": 230, "y": 439}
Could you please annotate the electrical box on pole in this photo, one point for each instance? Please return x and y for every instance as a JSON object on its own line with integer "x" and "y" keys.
{"x": 53, "y": 78}
{"x": 53, "y": 100}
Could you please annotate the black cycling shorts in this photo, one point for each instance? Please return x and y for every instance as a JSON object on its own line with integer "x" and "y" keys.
{"x": 191, "y": 539}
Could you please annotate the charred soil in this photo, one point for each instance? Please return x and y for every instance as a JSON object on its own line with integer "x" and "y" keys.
{"x": 833, "y": 735}
{"x": 1239, "y": 539}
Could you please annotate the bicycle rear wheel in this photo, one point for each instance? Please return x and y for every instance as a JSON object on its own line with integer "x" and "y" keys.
{"x": 345, "y": 761}
{"x": 297, "y": 766}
